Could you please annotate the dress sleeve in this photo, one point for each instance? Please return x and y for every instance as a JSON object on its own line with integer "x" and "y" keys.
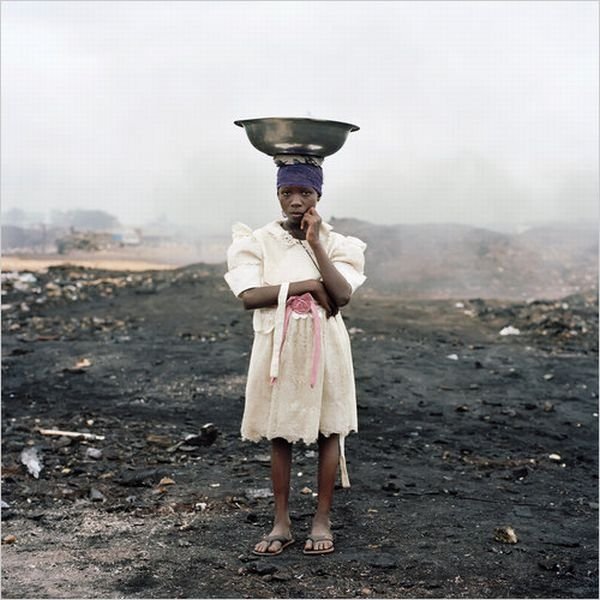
{"x": 244, "y": 260}
{"x": 348, "y": 256}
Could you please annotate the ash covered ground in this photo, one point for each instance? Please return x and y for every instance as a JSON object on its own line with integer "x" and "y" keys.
{"x": 463, "y": 432}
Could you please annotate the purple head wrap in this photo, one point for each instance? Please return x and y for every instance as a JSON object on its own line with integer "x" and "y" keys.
{"x": 301, "y": 174}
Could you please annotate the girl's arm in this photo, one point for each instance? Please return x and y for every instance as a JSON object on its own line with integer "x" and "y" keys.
{"x": 267, "y": 295}
{"x": 335, "y": 283}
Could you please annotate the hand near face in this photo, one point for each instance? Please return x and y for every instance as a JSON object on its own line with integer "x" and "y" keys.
{"x": 310, "y": 224}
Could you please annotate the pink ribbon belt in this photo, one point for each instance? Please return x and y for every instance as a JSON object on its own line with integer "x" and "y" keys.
{"x": 302, "y": 305}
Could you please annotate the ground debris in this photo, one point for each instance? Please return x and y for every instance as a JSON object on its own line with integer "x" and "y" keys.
{"x": 555, "y": 564}
{"x": 262, "y": 567}
{"x": 9, "y": 539}
{"x": 93, "y": 453}
{"x": 141, "y": 476}
{"x": 440, "y": 493}
{"x": 96, "y": 495}
{"x": 30, "y": 457}
{"x": 71, "y": 434}
{"x": 506, "y": 535}
{"x": 574, "y": 317}
{"x": 256, "y": 493}
{"x": 207, "y": 436}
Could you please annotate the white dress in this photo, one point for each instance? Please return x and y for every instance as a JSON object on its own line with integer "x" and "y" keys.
{"x": 290, "y": 407}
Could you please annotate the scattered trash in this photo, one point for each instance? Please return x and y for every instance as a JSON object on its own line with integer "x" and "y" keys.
{"x": 555, "y": 457}
{"x": 573, "y": 317}
{"x": 207, "y": 436}
{"x": 459, "y": 305}
{"x": 506, "y": 535}
{"x": 201, "y": 506}
{"x": 214, "y": 485}
{"x": 81, "y": 366}
{"x": 255, "y": 493}
{"x": 31, "y": 459}
{"x": 141, "y": 477}
{"x": 166, "y": 481}
{"x": 306, "y": 490}
{"x": 261, "y": 458}
{"x": 452, "y": 356}
{"x": 94, "y": 453}
{"x": 548, "y": 406}
{"x": 4, "y": 504}
{"x": 72, "y": 434}
{"x": 9, "y": 539}
{"x": 548, "y": 376}
{"x": 262, "y": 568}
{"x": 96, "y": 495}
{"x": 27, "y": 278}
{"x": 510, "y": 330}
{"x": 355, "y": 330}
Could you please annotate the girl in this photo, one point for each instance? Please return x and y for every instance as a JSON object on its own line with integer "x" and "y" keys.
{"x": 295, "y": 274}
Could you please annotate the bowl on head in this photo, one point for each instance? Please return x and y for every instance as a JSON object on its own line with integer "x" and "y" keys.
{"x": 296, "y": 135}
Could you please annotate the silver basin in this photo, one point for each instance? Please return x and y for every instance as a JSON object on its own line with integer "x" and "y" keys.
{"x": 301, "y": 135}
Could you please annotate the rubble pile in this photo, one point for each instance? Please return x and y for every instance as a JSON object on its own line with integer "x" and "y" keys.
{"x": 24, "y": 292}
{"x": 571, "y": 318}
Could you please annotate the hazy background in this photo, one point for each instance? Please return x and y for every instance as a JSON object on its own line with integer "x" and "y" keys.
{"x": 481, "y": 113}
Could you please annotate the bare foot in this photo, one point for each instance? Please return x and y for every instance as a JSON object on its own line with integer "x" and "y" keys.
{"x": 321, "y": 531}
{"x": 266, "y": 546}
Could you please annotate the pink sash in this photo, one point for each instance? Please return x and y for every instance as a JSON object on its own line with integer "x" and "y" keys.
{"x": 303, "y": 305}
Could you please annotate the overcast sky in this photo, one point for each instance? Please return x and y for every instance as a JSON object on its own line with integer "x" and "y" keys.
{"x": 480, "y": 113}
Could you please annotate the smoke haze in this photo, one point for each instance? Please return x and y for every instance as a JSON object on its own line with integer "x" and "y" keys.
{"x": 480, "y": 113}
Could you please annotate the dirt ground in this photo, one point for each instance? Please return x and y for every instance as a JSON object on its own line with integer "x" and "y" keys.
{"x": 462, "y": 431}
{"x": 116, "y": 261}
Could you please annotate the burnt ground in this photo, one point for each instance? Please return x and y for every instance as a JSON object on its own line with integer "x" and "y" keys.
{"x": 462, "y": 431}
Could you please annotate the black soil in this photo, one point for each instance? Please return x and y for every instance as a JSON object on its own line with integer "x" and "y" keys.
{"x": 462, "y": 431}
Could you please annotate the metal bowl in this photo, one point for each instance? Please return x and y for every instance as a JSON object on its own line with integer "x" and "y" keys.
{"x": 309, "y": 137}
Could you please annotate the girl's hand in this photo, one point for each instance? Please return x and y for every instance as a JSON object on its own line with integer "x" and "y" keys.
{"x": 321, "y": 296}
{"x": 311, "y": 223}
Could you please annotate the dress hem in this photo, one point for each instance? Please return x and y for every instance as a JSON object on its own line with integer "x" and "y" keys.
{"x": 259, "y": 437}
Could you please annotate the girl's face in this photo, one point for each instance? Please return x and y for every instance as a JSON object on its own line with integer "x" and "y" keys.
{"x": 295, "y": 200}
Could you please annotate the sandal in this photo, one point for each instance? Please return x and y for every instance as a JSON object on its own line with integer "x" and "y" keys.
{"x": 282, "y": 539}
{"x": 319, "y": 538}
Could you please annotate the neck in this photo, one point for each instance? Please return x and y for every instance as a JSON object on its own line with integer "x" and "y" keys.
{"x": 294, "y": 229}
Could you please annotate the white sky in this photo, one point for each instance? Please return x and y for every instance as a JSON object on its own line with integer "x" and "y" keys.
{"x": 470, "y": 112}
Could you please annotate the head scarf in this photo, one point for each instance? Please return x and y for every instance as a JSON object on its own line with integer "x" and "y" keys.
{"x": 300, "y": 174}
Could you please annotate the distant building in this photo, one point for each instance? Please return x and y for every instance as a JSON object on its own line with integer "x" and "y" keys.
{"x": 127, "y": 237}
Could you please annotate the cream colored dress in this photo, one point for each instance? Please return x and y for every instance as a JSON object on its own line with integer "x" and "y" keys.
{"x": 290, "y": 407}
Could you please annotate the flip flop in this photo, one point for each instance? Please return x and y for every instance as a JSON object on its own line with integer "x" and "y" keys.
{"x": 319, "y": 538}
{"x": 282, "y": 539}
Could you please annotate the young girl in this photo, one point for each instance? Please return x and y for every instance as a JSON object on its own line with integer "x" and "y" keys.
{"x": 295, "y": 274}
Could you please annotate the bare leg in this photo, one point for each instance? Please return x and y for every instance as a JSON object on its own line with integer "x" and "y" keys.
{"x": 329, "y": 456}
{"x": 281, "y": 463}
